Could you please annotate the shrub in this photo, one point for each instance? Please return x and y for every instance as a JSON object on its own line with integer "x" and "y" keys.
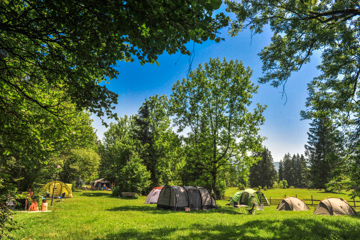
{"x": 283, "y": 184}
{"x": 275, "y": 184}
{"x": 241, "y": 186}
{"x": 134, "y": 177}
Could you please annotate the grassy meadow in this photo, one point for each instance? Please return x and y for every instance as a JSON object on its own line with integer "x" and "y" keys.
{"x": 98, "y": 215}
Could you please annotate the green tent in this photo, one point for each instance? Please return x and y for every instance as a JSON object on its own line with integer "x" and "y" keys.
{"x": 249, "y": 197}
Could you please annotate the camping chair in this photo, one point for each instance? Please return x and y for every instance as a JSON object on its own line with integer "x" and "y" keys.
{"x": 256, "y": 207}
{"x": 62, "y": 197}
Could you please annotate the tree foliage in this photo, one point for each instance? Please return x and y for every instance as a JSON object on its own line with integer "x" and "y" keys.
{"x": 300, "y": 29}
{"x": 322, "y": 152}
{"x": 74, "y": 45}
{"x": 212, "y": 104}
{"x": 263, "y": 173}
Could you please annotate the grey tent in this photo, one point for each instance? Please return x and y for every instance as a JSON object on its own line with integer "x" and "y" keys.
{"x": 292, "y": 204}
{"x": 153, "y": 196}
{"x": 334, "y": 206}
{"x": 180, "y": 197}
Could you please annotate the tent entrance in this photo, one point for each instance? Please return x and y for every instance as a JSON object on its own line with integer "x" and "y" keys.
{"x": 244, "y": 199}
{"x": 194, "y": 199}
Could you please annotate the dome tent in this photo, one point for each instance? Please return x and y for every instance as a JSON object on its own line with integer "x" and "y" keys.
{"x": 153, "y": 196}
{"x": 181, "y": 197}
{"x": 250, "y": 196}
{"x": 292, "y": 204}
{"x": 334, "y": 206}
{"x": 60, "y": 188}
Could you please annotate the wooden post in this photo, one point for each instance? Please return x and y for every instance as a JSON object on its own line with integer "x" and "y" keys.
{"x": 312, "y": 201}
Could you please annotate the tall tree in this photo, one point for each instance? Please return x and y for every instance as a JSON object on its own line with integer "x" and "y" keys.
{"x": 319, "y": 150}
{"x": 281, "y": 170}
{"x": 117, "y": 148}
{"x": 301, "y": 28}
{"x": 158, "y": 144}
{"x": 263, "y": 173}
{"x": 289, "y": 170}
{"x": 213, "y": 105}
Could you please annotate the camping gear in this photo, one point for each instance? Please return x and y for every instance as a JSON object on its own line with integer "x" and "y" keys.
{"x": 153, "y": 196}
{"x": 334, "y": 206}
{"x": 180, "y": 197}
{"x": 99, "y": 184}
{"x": 292, "y": 204}
{"x": 249, "y": 197}
{"x": 60, "y": 188}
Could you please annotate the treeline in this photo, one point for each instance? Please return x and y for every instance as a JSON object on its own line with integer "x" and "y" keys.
{"x": 324, "y": 166}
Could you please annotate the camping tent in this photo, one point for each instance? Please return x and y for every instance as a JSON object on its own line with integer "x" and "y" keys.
{"x": 334, "y": 206}
{"x": 292, "y": 204}
{"x": 250, "y": 196}
{"x": 153, "y": 195}
{"x": 98, "y": 184}
{"x": 60, "y": 188}
{"x": 181, "y": 197}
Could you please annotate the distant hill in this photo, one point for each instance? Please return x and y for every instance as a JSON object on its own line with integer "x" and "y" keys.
{"x": 276, "y": 165}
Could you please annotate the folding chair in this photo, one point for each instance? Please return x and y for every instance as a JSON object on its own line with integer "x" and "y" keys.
{"x": 62, "y": 197}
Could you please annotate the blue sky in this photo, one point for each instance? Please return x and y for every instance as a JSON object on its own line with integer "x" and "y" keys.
{"x": 283, "y": 128}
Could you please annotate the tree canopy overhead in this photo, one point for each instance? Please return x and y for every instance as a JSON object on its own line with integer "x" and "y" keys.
{"x": 301, "y": 27}
{"x": 73, "y": 45}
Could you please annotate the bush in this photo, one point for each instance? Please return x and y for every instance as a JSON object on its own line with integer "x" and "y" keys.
{"x": 134, "y": 177}
{"x": 241, "y": 186}
{"x": 275, "y": 184}
{"x": 292, "y": 187}
{"x": 283, "y": 184}
{"x": 116, "y": 192}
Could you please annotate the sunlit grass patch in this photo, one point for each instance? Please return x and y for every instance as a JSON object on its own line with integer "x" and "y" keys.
{"x": 97, "y": 215}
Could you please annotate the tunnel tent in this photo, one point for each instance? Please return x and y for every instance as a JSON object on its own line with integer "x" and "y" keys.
{"x": 292, "y": 204}
{"x": 60, "y": 188}
{"x": 334, "y": 206}
{"x": 180, "y": 197}
{"x": 153, "y": 196}
{"x": 249, "y": 197}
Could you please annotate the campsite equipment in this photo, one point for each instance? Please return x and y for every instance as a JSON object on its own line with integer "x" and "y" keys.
{"x": 292, "y": 204}
{"x": 153, "y": 196}
{"x": 180, "y": 197}
{"x": 334, "y": 206}
{"x": 249, "y": 197}
{"x": 60, "y": 188}
{"x": 98, "y": 184}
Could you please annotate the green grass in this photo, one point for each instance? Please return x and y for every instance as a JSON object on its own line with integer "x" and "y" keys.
{"x": 97, "y": 215}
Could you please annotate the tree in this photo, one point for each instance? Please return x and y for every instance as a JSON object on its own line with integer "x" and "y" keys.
{"x": 212, "y": 104}
{"x": 80, "y": 163}
{"x": 289, "y": 170}
{"x": 281, "y": 170}
{"x": 263, "y": 173}
{"x": 301, "y": 28}
{"x": 74, "y": 45}
{"x": 157, "y": 142}
{"x": 320, "y": 149}
{"x": 117, "y": 148}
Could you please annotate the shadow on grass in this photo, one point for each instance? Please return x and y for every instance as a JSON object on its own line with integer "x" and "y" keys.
{"x": 322, "y": 228}
{"x": 97, "y": 194}
{"x": 152, "y": 209}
